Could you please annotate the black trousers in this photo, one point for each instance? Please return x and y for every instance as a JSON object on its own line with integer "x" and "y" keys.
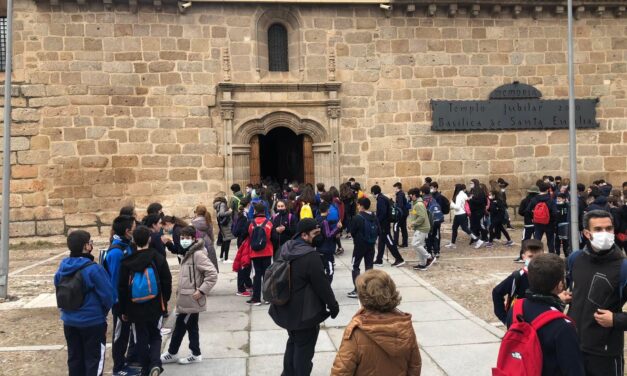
{"x": 400, "y": 228}
{"x": 299, "y": 351}
{"x": 85, "y": 349}
{"x": 527, "y": 234}
{"x": 475, "y": 226}
{"x": 362, "y": 252}
{"x": 328, "y": 259}
{"x": 433, "y": 239}
{"x": 595, "y": 365}
{"x": 224, "y": 249}
{"x": 496, "y": 229}
{"x": 385, "y": 239}
{"x": 260, "y": 264}
{"x": 549, "y": 230}
{"x": 148, "y": 345}
{"x": 121, "y": 333}
{"x": 243, "y": 279}
{"x": 460, "y": 220}
{"x": 185, "y": 323}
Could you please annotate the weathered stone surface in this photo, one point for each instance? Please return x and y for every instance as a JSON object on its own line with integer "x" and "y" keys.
{"x": 47, "y": 228}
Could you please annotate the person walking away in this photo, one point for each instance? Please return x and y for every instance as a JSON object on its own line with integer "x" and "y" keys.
{"x": 400, "y": 228}
{"x": 385, "y": 238}
{"x": 239, "y": 228}
{"x": 283, "y": 226}
{"x": 328, "y": 234}
{"x": 84, "y": 297}
{"x": 445, "y": 206}
{"x": 544, "y": 213}
{"x": 528, "y": 227}
{"x": 364, "y": 231}
{"x": 204, "y": 231}
{"x": 596, "y": 307}
{"x": 477, "y": 202}
{"x": 236, "y": 199}
{"x": 380, "y": 339}
{"x": 436, "y": 218}
{"x": 562, "y": 231}
{"x": 311, "y": 299}
{"x": 419, "y": 223}
{"x": 347, "y": 195}
{"x": 460, "y": 219}
{"x": 144, "y": 289}
{"x": 225, "y": 218}
{"x": 498, "y": 219}
{"x": 260, "y": 232}
{"x": 512, "y": 288}
{"x": 197, "y": 277}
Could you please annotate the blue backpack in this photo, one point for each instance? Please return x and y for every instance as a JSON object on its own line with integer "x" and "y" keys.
{"x": 371, "y": 230}
{"x": 435, "y": 209}
{"x": 144, "y": 285}
{"x": 334, "y": 214}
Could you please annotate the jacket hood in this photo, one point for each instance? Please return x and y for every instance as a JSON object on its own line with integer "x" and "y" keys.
{"x": 70, "y": 265}
{"x": 601, "y": 201}
{"x": 543, "y": 198}
{"x": 139, "y": 260}
{"x": 392, "y": 332}
{"x": 614, "y": 253}
{"x": 197, "y": 246}
{"x": 369, "y": 216}
{"x": 294, "y": 249}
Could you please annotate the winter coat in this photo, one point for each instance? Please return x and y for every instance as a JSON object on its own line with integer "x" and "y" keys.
{"x": 310, "y": 288}
{"x": 153, "y": 309}
{"x": 269, "y": 250}
{"x": 288, "y": 220}
{"x": 196, "y": 273}
{"x": 242, "y": 258}
{"x": 620, "y": 225}
{"x": 522, "y": 209}
{"x": 478, "y": 204}
{"x": 549, "y": 202}
{"x": 98, "y": 297}
{"x": 599, "y": 203}
{"x": 240, "y": 228}
{"x": 358, "y": 228}
{"x": 376, "y": 343}
{"x": 498, "y": 212}
{"x": 119, "y": 249}
{"x": 418, "y": 217}
{"x": 156, "y": 243}
{"x": 222, "y": 211}
{"x": 383, "y": 210}
{"x": 235, "y": 201}
{"x": 401, "y": 202}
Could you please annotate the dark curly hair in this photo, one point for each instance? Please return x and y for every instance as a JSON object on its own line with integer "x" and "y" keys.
{"x": 377, "y": 291}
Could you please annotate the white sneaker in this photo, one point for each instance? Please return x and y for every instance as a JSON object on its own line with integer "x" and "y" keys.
{"x": 165, "y": 331}
{"x": 479, "y": 244}
{"x": 473, "y": 236}
{"x": 191, "y": 359}
{"x": 227, "y": 262}
{"x": 450, "y": 245}
{"x": 166, "y": 358}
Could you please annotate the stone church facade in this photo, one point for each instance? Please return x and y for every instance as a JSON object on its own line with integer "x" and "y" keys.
{"x": 127, "y": 102}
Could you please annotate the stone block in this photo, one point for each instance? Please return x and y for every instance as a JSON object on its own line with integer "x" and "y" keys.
{"x": 44, "y": 213}
{"x": 47, "y": 228}
{"x": 195, "y": 187}
{"x": 185, "y": 161}
{"x": 34, "y": 199}
{"x": 614, "y": 163}
{"x": 124, "y": 175}
{"x": 108, "y": 147}
{"x": 25, "y": 114}
{"x": 476, "y": 168}
{"x": 407, "y": 168}
{"x": 124, "y": 161}
{"x": 152, "y": 174}
{"x": 27, "y": 186}
{"x": 181, "y": 174}
{"x": 108, "y": 190}
{"x": 81, "y": 220}
{"x": 21, "y": 214}
{"x": 21, "y": 229}
{"x": 94, "y": 162}
{"x": 24, "y": 171}
{"x": 501, "y": 167}
{"x": 482, "y": 140}
{"x": 454, "y": 168}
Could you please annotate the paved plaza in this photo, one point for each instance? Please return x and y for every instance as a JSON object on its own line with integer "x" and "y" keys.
{"x": 237, "y": 339}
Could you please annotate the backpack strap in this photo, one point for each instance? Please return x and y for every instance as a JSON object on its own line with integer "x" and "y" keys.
{"x": 570, "y": 263}
{"x": 546, "y": 317}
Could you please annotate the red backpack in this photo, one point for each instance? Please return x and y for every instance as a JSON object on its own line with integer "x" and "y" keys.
{"x": 541, "y": 215}
{"x": 520, "y": 353}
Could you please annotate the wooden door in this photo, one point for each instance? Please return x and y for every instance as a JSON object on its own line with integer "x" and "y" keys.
{"x": 308, "y": 159}
{"x": 255, "y": 165}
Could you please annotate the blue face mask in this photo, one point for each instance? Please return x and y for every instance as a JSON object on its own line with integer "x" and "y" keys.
{"x": 527, "y": 261}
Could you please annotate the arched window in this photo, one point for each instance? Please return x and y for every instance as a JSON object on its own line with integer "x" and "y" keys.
{"x": 277, "y": 48}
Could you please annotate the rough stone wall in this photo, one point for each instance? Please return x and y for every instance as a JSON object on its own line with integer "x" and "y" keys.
{"x": 114, "y": 107}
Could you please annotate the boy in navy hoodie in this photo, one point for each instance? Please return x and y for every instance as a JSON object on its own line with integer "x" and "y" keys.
{"x": 85, "y": 328}
{"x": 326, "y": 248}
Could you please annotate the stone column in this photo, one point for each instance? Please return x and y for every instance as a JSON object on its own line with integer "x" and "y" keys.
{"x": 228, "y": 113}
{"x": 333, "y": 113}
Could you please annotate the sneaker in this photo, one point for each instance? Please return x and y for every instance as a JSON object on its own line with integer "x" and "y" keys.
{"x": 352, "y": 294}
{"x": 266, "y": 302}
{"x": 128, "y": 371}
{"x": 191, "y": 359}
{"x": 227, "y": 262}
{"x": 378, "y": 264}
{"x": 245, "y": 294}
{"x": 249, "y": 289}
{"x": 437, "y": 255}
{"x": 154, "y": 371}
{"x": 166, "y": 358}
{"x": 426, "y": 266}
{"x": 473, "y": 237}
{"x": 479, "y": 244}
{"x": 509, "y": 243}
{"x": 450, "y": 246}
{"x": 431, "y": 261}
{"x": 398, "y": 263}
{"x": 253, "y": 302}
{"x": 339, "y": 251}
{"x": 165, "y": 332}
{"x": 519, "y": 260}
{"x": 489, "y": 245}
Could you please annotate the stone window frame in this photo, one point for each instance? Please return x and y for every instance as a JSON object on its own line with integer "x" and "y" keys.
{"x": 292, "y": 24}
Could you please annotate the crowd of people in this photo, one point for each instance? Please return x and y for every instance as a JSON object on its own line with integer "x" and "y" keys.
{"x": 304, "y": 225}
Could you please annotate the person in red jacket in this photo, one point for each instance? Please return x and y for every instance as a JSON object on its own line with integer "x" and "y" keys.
{"x": 261, "y": 259}
{"x": 242, "y": 266}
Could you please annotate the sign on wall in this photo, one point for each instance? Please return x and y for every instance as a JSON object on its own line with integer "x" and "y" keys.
{"x": 513, "y": 106}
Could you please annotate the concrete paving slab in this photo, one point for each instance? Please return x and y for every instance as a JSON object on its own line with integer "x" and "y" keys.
{"x": 261, "y": 320}
{"x": 344, "y": 317}
{"x": 336, "y": 335}
{"x": 453, "y": 332}
{"x": 227, "y": 303}
{"x": 268, "y": 342}
{"x": 225, "y": 366}
{"x": 416, "y": 294}
{"x": 430, "y": 311}
{"x": 215, "y": 345}
{"x": 272, "y": 365}
{"x": 465, "y": 360}
{"x": 223, "y": 321}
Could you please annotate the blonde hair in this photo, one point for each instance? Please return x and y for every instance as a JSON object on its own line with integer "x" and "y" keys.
{"x": 377, "y": 291}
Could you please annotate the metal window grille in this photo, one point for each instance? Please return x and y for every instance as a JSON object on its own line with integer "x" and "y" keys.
{"x": 3, "y": 43}
{"x": 277, "y": 48}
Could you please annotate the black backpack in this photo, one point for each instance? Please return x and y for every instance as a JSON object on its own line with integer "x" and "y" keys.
{"x": 277, "y": 283}
{"x": 394, "y": 212}
{"x": 70, "y": 290}
{"x": 371, "y": 230}
{"x": 258, "y": 240}
{"x": 445, "y": 204}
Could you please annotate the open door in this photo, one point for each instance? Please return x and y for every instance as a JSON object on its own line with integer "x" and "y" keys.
{"x": 308, "y": 159}
{"x": 255, "y": 165}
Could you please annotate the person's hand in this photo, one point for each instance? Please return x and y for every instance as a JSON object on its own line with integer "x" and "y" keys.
{"x": 165, "y": 239}
{"x": 197, "y": 295}
{"x": 604, "y": 318}
{"x": 339, "y": 225}
{"x": 124, "y": 318}
{"x": 280, "y": 229}
{"x": 335, "y": 310}
{"x": 566, "y": 296}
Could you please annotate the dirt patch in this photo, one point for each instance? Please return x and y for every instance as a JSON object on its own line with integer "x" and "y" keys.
{"x": 27, "y": 363}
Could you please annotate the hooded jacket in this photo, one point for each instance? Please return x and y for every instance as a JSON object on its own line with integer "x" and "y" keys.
{"x": 546, "y": 198}
{"x": 98, "y": 297}
{"x": 138, "y": 262}
{"x": 205, "y": 232}
{"x": 418, "y": 217}
{"x": 599, "y": 203}
{"x": 197, "y": 273}
{"x": 119, "y": 249}
{"x": 377, "y": 344}
{"x": 222, "y": 211}
{"x": 358, "y": 228}
{"x": 269, "y": 250}
{"x": 310, "y": 288}
{"x": 522, "y": 209}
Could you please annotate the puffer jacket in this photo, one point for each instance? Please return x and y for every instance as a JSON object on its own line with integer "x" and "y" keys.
{"x": 205, "y": 232}
{"x": 376, "y": 343}
{"x": 223, "y": 211}
{"x": 197, "y": 273}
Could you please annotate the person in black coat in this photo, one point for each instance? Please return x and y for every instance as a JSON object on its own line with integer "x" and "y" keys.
{"x": 542, "y": 229}
{"x": 477, "y": 203}
{"x": 311, "y": 301}
{"x": 385, "y": 238}
{"x": 400, "y": 228}
{"x": 532, "y": 192}
{"x": 498, "y": 218}
{"x": 283, "y": 226}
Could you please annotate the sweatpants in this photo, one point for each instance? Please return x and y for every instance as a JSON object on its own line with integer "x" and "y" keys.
{"x": 243, "y": 279}
{"x": 362, "y": 252}
{"x": 260, "y": 264}
{"x": 400, "y": 228}
{"x": 328, "y": 259}
{"x": 121, "y": 334}
{"x": 385, "y": 239}
{"x": 460, "y": 220}
{"x": 185, "y": 323}
{"x": 148, "y": 345}
{"x": 418, "y": 242}
{"x": 85, "y": 349}
{"x": 595, "y": 365}
{"x": 549, "y": 230}
{"x": 433, "y": 239}
{"x": 299, "y": 351}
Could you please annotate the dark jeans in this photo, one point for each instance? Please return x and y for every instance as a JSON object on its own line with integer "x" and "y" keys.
{"x": 595, "y": 365}
{"x": 496, "y": 229}
{"x": 385, "y": 238}
{"x": 260, "y": 264}
{"x": 433, "y": 240}
{"x": 85, "y": 349}
{"x": 299, "y": 351}
{"x": 243, "y": 279}
{"x": 549, "y": 230}
{"x": 401, "y": 228}
{"x": 224, "y": 249}
{"x": 148, "y": 337}
{"x": 362, "y": 252}
{"x": 121, "y": 333}
{"x": 185, "y": 322}
{"x": 460, "y": 220}
{"x": 475, "y": 226}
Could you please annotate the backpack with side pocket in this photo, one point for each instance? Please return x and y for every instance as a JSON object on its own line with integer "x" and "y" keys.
{"x": 144, "y": 285}
{"x": 70, "y": 291}
{"x": 541, "y": 214}
{"x": 435, "y": 209}
{"x": 258, "y": 240}
{"x": 277, "y": 283}
{"x": 371, "y": 230}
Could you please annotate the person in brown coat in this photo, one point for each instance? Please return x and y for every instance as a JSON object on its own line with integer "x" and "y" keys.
{"x": 380, "y": 339}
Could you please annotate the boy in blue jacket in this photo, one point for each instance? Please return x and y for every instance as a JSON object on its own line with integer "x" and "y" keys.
{"x": 326, "y": 246}
{"x": 85, "y": 328}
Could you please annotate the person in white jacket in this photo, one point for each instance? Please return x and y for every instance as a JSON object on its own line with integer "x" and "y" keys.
{"x": 458, "y": 203}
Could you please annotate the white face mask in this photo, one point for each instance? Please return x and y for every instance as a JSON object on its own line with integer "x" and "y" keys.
{"x": 602, "y": 240}
{"x": 527, "y": 261}
{"x": 186, "y": 243}
{"x": 432, "y": 190}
